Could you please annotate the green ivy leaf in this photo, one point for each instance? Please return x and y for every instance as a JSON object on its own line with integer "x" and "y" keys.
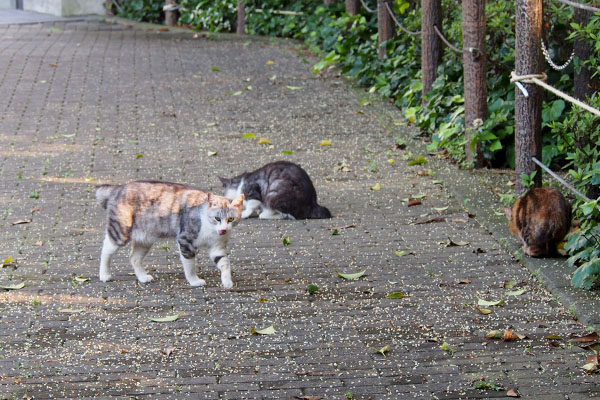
{"x": 395, "y": 295}
{"x": 16, "y": 286}
{"x": 312, "y": 289}
{"x": 169, "y": 318}
{"x": 585, "y": 276}
{"x": 266, "y": 331}
{"x": 351, "y": 277}
{"x": 417, "y": 161}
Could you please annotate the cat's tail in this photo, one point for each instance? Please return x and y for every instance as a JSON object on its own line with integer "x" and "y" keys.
{"x": 319, "y": 212}
{"x": 103, "y": 193}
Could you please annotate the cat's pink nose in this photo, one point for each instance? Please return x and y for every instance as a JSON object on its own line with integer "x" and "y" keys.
{"x": 222, "y": 232}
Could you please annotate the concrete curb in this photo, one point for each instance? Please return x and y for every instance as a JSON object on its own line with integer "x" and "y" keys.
{"x": 471, "y": 187}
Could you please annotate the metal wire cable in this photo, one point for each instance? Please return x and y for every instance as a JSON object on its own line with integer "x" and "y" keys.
{"x": 452, "y": 47}
{"x": 551, "y": 63}
{"x": 367, "y": 7}
{"x": 391, "y": 13}
{"x": 561, "y": 180}
{"x": 579, "y": 5}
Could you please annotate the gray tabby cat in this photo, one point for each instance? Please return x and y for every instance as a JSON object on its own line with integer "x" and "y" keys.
{"x": 279, "y": 190}
{"x": 146, "y": 211}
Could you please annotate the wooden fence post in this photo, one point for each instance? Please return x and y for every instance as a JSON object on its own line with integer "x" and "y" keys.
{"x": 585, "y": 85}
{"x": 431, "y": 45}
{"x": 108, "y": 4}
{"x": 241, "y": 18}
{"x": 171, "y": 16}
{"x": 352, "y": 7}
{"x": 528, "y": 110}
{"x": 385, "y": 25}
{"x": 474, "y": 67}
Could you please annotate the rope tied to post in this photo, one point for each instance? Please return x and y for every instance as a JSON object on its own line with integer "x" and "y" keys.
{"x": 520, "y": 79}
{"x": 406, "y": 30}
{"x": 471, "y": 50}
{"x": 539, "y": 79}
{"x": 171, "y": 7}
{"x": 367, "y": 7}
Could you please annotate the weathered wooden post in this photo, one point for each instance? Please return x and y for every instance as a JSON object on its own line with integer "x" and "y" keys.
{"x": 352, "y": 7}
{"x": 385, "y": 25}
{"x": 474, "y": 68}
{"x": 170, "y": 13}
{"x": 241, "y": 18}
{"x": 528, "y": 110}
{"x": 585, "y": 84}
{"x": 108, "y": 4}
{"x": 431, "y": 45}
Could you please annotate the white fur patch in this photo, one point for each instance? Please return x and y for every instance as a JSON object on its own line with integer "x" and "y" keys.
{"x": 231, "y": 194}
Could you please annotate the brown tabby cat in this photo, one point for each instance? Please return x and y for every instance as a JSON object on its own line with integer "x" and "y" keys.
{"x": 541, "y": 219}
{"x": 146, "y": 211}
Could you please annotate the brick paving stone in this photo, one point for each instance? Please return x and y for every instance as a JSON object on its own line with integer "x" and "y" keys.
{"x": 87, "y": 102}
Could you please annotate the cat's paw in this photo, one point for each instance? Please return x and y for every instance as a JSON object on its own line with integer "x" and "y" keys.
{"x": 246, "y": 214}
{"x": 145, "y": 278}
{"x": 227, "y": 283}
{"x": 197, "y": 282}
{"x": 105, "y": 277}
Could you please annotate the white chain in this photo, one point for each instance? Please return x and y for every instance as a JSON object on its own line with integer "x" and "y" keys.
{"x": 552, "y": 64}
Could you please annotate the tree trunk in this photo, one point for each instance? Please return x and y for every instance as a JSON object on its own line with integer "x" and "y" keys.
{"x": 474, "y": 62}
{"x": 585, "y": 85}
{"x": 170, "y": 16}
{"x": 431, "y": 45}
{"x": 528, "y": 110}
{"x": 352, "y": 7}
{"x": 241, "y": 18}
{"x": 385, "y": 25}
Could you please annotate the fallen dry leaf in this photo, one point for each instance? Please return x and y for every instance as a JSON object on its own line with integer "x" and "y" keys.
{"x": 413, "y": 202}
{"x": 592, "y": 337}
{"x": 510, "y": 335}
{"x": 21, "y": 222}
{"x": 465, "y": 281}
{"x": 495, "y": 334}
{"x": 308, "y": 397}
{"x": 512, "y": 393}
{"x": 168, "y": 351}
{"x": 339, "y": 228}
{"x": 451, "y": 243}
{"x": 593, "y": 358}
{"x": 430, "y": 220}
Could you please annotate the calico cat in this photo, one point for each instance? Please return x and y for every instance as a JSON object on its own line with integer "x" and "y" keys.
{"x": 541, "y": 219}
{"x": 144, "y": 212}
{"x": 279, "y": 190}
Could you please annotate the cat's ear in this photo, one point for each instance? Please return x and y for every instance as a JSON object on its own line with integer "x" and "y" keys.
{"x": 508, "y": 212}
{"x": 224, "y": 181}
{"x": 238, "y": 202}
{"x": 211, "y": 199}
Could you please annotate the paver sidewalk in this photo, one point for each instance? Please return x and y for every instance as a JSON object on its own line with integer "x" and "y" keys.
{"x": 88, "y": 102}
